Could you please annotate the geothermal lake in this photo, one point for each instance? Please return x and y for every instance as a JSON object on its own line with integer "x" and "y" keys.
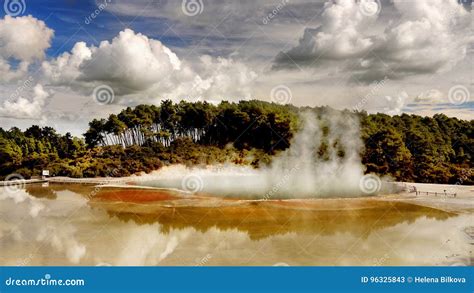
{"x": 73, "y": 224}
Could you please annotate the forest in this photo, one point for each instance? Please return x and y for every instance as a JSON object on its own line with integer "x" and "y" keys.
{"x": 412, "y": 148}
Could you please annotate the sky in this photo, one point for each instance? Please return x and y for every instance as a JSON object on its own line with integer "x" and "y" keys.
{"x": 65, "y": 62}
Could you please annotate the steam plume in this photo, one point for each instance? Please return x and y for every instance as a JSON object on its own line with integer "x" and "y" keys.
{"x": 322, "y": 161}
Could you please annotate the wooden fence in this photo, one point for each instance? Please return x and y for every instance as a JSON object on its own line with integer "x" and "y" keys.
{"x": 435, "y": 193}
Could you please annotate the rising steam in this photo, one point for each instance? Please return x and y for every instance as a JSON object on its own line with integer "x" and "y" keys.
{"x": 303, "y": 170}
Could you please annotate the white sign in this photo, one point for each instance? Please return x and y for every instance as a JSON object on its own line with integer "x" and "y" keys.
{"x": 45, "y": 172}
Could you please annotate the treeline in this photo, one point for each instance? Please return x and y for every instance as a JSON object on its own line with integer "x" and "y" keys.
{"x": 147, "y": 137}
{"x": 422, "y": 149}
{"x": 252, "y": 124}
{"x": 27, "y": 152}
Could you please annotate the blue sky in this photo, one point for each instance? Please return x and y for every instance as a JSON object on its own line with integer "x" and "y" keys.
{"x": 67, "y": 18}
{"x": 388, "y": 56}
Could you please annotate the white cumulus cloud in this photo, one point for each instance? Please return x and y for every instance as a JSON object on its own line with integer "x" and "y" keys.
{"x": 432, "y": 96}
{"x": 24, "y": 108}
{"x": 137, "y": 67}
{"x": 422, "y": 37}
{"x": 23, "y": 39}
{"x": 341, "y": 35}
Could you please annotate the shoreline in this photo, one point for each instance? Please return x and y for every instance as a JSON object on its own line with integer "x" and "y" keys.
{"x": 22, "y": 182}
{"x": 463, "y": 202}
{"x": 130, "y": 179}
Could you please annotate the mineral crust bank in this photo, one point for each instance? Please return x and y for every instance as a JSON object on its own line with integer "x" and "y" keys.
{"x": 446, "y": 279}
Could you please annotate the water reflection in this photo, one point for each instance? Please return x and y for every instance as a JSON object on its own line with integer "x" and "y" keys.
{"x": 59, "y": 225}
{"x": 262, "y": 220}
{"x": 31, "y": 224}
